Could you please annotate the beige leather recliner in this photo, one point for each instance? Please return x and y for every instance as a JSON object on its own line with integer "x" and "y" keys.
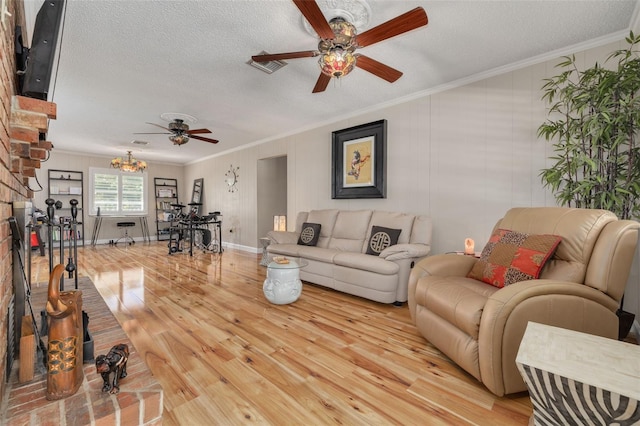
{"x": 480, "y": 326}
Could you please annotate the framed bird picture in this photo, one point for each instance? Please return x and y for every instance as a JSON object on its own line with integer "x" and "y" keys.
{"x": 358, "y": 168}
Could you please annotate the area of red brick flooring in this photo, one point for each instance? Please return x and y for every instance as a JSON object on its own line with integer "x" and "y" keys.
{"x": 140, "y": 397}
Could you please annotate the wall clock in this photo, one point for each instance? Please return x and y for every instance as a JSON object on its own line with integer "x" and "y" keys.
{"x": 231, "y": 178}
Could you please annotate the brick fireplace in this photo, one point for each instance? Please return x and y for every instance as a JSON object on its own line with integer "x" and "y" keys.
{"x": 28, "y": 120}
{"x": 139, "y": 401}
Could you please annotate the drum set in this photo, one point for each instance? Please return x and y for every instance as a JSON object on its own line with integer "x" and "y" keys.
{"x": 189, "y": 229}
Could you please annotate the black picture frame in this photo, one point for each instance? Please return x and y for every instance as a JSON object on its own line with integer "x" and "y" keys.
{"x": 356, "y": 174}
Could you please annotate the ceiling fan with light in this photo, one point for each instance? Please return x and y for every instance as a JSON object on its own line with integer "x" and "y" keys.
{"x": 339, "y": 41}
{"x": 179, "y": 130}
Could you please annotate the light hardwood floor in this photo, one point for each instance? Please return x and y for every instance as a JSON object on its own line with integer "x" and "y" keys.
{"x": 224, "y": 355}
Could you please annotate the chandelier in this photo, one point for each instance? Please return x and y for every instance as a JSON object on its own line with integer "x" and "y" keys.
{"x": 128, "y": 164}
{"x": 336, "y": 56}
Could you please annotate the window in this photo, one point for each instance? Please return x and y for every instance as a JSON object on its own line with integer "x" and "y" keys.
{"x": 117, "y": 193}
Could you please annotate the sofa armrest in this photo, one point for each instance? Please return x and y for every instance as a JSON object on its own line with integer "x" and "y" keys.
{"x": 552, "y": 302}
{"x": 283, "y": 237}
{"x": 405, "y": 251}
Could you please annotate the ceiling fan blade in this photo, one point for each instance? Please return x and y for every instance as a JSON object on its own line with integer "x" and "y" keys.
{"x": 289, "y": 55}
{"x": 322, "y": 83}
{"x": 314, "y": 16}
{"x": 157, "y": 125}
{"x": 154, "y": 133}
{"x": 197, "y": 131}
{"x": 408, "y": 21}
{"x": 377, "y": 68}
{"x": 202, "y": 138}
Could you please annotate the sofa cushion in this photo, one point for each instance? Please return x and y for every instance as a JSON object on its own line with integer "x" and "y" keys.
{"x": 512, "y": 256}
{"x": 381, "y": 238}
{"x": 301, "y": 218}
{"x": 350, "y": 230}
{"x": 421, "y": 230}
{"x": 317, "y": 253}
{"x": 326, "y": 218}
{"x": 366, "y": 263}
{"x": 290, "y": 250}
{"x": 282, "y": 237}
{"x": 309, "y": 234}
{"x": 392, "y": 220}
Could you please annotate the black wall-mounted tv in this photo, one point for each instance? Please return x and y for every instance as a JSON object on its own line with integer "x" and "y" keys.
{"x": 43, "y": 50}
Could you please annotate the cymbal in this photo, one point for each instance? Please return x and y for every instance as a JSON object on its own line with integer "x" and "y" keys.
{"x": 177, "y": 205}
{"x": 195, "y": 204}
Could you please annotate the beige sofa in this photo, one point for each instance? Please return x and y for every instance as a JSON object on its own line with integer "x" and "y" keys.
{"x": 339, "y": 260}
{"x": 480, "y": 326}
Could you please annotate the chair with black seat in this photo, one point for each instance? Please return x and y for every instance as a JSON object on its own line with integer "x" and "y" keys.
{"x": 127, "y": 238}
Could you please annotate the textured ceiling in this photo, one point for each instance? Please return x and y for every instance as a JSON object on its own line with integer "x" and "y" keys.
{"x": 123, "y": 63}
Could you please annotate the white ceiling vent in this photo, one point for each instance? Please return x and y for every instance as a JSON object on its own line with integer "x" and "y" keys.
{"x": 139, "y": 143}
{"x": 268, "y": 67}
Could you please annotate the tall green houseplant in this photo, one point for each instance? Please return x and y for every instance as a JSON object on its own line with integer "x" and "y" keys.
{"x": 593, "y": 123}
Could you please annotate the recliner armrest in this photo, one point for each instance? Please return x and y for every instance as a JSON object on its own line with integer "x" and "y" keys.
{"x": 506, "y": 314}
{"x": 439, "y": 265}
{"x": 283, "y": 237}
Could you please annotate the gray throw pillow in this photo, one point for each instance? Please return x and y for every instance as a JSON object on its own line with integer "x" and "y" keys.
{"x": 309, "y": 234}
{"x": 381, "y": 238}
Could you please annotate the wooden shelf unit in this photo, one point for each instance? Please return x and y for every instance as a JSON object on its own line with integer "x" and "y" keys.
{"x": 166, "y": 192}
{"x": 65, "y": 185}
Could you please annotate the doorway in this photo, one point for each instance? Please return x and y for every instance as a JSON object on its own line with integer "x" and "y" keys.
{"x": 272, "y": 192}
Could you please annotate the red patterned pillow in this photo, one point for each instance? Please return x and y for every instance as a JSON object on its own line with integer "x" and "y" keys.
{"x": 510, "y": 257}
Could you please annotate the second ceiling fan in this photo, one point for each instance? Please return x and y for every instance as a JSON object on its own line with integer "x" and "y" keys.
{"x": 338, "y": 42}
{"x": 179, "y": 132}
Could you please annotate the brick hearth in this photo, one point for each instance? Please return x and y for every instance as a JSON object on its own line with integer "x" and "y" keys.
{"x": 140, "y": 397}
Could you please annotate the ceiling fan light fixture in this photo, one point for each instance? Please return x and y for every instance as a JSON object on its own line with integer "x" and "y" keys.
{"x": 337, "y": 62}
{"x": 358, "y": 12}
{"x": 178, "y": 125}
{"x": 345, "y": 32}
{"x": 179, "y": 139}
{"x": 128, "y": 164}
{"x": 336, "y": 55}
{"x": 339, "y": 39}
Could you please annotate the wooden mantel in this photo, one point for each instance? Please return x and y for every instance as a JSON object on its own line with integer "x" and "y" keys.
{"x": 29, "y": 118}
